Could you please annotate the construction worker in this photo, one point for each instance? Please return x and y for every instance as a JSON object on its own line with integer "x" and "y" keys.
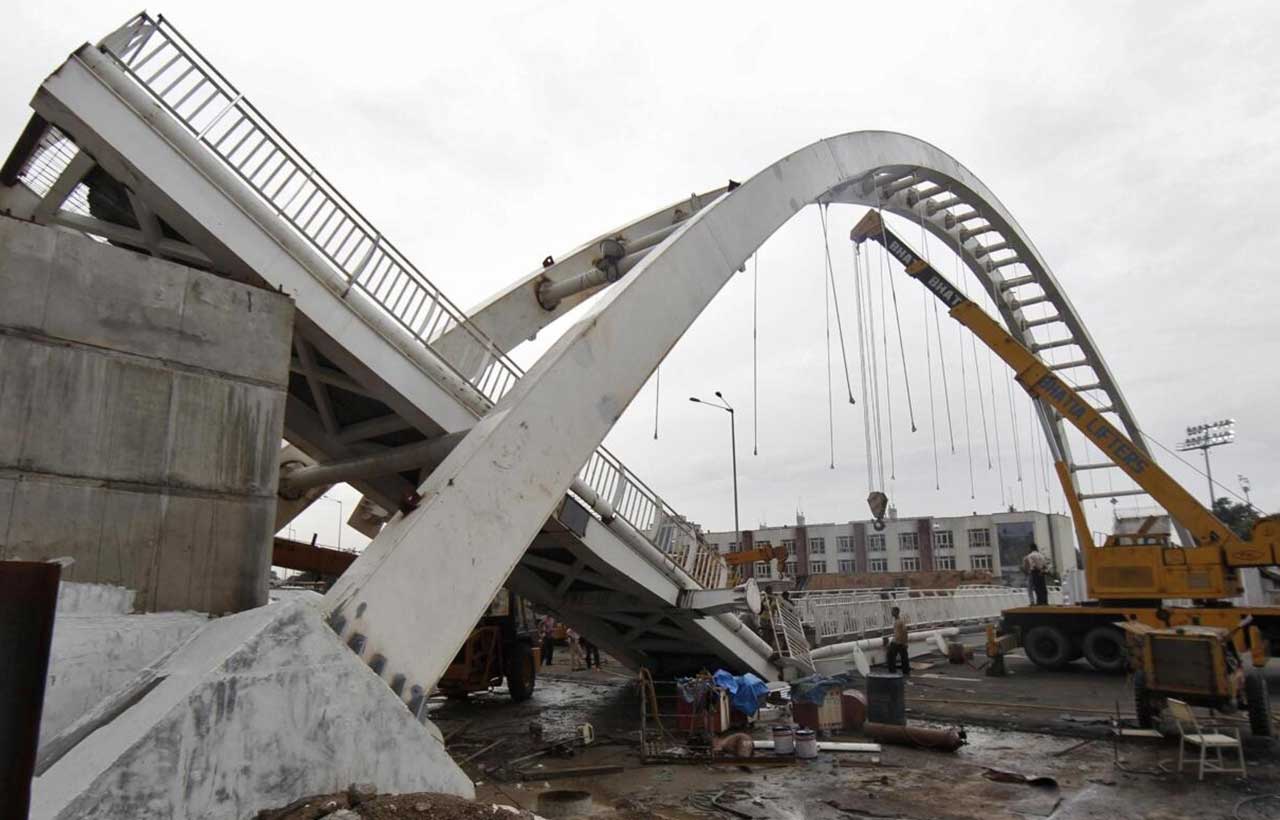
{"x": 1035, "y": 565}
{"x": 547, "y": 629}
{"x": 898, "y": 644}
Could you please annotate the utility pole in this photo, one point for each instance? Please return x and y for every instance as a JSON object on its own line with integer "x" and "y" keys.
{"x": 733, "y": 447}
{"x": 1204, "y": 436}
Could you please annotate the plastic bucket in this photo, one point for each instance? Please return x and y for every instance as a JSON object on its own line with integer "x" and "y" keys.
{"x": 784, "y": 740}
{"x": 806, "y": 744}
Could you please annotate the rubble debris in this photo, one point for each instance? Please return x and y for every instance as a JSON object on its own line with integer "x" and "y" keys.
{"x": 1006, "y": 776}
{"x": 412, "y": 806}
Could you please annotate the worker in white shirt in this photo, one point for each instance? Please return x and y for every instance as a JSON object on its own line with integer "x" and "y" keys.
{"x": 1035, "y": 565}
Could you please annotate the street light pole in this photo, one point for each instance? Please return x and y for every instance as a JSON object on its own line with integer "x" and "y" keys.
{"x": 733, "y": 447}
{"x": 1202, "y": 437}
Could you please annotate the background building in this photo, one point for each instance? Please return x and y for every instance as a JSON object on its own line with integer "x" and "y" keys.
{"x": 994, "y": 542}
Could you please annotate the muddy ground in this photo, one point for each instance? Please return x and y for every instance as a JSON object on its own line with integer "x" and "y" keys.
{"x": 1031, "y": 722}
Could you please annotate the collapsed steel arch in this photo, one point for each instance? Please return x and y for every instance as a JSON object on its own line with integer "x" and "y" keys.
{"x": 523, "y": 455}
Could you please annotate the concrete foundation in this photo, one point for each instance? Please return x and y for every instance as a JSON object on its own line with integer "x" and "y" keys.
{"x": 254, "y": 711}
{"x": 141, "y": 412}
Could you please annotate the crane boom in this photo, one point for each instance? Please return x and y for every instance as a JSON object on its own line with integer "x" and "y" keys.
{"x": 1204, "y": 571}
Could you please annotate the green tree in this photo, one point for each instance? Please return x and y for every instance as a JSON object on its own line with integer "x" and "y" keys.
{"x": 1239, "y": 517}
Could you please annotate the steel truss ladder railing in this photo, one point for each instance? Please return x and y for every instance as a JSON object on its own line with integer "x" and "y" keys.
{"x": 153, "y": 53}
{"x": 866, "y": 613}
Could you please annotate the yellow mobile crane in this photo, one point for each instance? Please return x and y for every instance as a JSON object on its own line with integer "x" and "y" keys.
{"x": 1131, "y": 576}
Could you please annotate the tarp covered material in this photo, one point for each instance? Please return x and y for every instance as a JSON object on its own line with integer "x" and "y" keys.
{"x": 814, "y": 688}
{"x": 745, "y": 691}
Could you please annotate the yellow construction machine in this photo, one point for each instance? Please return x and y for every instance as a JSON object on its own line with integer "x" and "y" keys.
{"x": 737, "y": 559}
{"x": 1198, "y": 665}
{"x": 1133, "y": 577}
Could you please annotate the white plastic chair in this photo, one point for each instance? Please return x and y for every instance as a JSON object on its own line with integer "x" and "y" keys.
{"x": 1205, "y": 738}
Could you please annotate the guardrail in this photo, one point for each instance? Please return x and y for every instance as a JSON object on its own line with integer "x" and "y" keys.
{"x": 866, "y": 614}
{"x": 153, "y": 53}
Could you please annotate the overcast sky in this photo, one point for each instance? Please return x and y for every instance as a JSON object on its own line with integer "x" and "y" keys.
{"x": 1134, "y": 142}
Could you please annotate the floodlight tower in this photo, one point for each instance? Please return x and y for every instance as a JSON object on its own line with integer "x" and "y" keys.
{"x": 1204, "y": 436}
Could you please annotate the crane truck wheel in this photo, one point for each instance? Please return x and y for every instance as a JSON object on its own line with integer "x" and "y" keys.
{"x": 1255, "y": 691}
{"x": 520, "y": 672}
{"x": 1047, "y": 647}
{"x": 1104, "y": 649}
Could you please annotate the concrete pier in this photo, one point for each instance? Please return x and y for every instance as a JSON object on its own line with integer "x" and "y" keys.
{"x": 141, "y": 411}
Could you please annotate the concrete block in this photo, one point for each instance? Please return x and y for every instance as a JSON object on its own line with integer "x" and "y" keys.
{"x": 52, "y": 518}
{"x": 254, "y": 711}
{"x": 26, "y": 257}
{"x": 138, "y": 399}
{"x": 22, "y": 363}
{"x": 115, "y": 299}
{"x": 94, "y": 599}
{"x": 181, "y": 570}
{"x": 93, "y": 655}
{"x": 67, "y": 416}
{"x": 238, "y": 330}
{"x": 243, "y": 529}
{"x": 130, "y": 545}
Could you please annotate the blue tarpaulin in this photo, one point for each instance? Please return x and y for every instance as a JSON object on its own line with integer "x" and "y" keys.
{"x": 744, "y": 691}
{"x": 814, "y": 688}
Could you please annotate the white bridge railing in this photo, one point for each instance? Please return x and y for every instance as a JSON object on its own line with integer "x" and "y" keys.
{"x": 152, "y": 52}
{"x": 849, "y": 614}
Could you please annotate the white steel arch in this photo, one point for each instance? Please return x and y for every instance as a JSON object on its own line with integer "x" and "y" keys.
{"x": 485, "y": 503}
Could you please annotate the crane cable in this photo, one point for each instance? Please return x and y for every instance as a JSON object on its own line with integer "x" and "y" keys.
{"x": 888, "y": 386}
{"x": 755, "y": 354}
{"x": 835, "y": 300}
{"x": 826, "y": 296}
{"x": 964, "y": 380}
{"x": 928, "y": 361}
{"x": 902, "y": 349}
{"x": 962, "y": 273}
{"x": 862, "y": 363}
{"x": 1017, "y": 452}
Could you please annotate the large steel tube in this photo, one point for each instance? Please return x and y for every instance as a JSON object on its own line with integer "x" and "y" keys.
{"x": 411, "y": 456}
{"x": 836, "y": 650}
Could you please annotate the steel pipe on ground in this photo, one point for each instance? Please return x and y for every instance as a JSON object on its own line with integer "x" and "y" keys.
{"x": 836, "y": 650}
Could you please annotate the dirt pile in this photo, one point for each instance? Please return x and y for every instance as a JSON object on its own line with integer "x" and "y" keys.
{"x": 358, "y": 804}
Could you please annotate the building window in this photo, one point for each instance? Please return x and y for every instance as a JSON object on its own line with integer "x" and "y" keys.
{"x": 817, "y": 567}
{"x": 879, "y": 565}
{"x": 911, "y": 564}
{"x": 764, "y": 545}
{"x": 847, "y": 567}
{"x": 844, "y": 543}
{"x": 980, "y": 539}
{"x": 980, "y": 561}
{"x": 791, "y": 568}
{"x": 875, "y": 543}
{"x": 733, "y": 546}
{"x": 789, "y": 545}
{"x": 945, "y": 562}
{"x": 908, "y": 541}
{"x": 817, "y": 546}
{"x": 764, "y": 569}
{"x": 942, "y": 539}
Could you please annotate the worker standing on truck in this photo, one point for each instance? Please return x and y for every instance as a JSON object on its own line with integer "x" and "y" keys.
{"x": 1035, "y": 565}
{"x": 898, "y": 644}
